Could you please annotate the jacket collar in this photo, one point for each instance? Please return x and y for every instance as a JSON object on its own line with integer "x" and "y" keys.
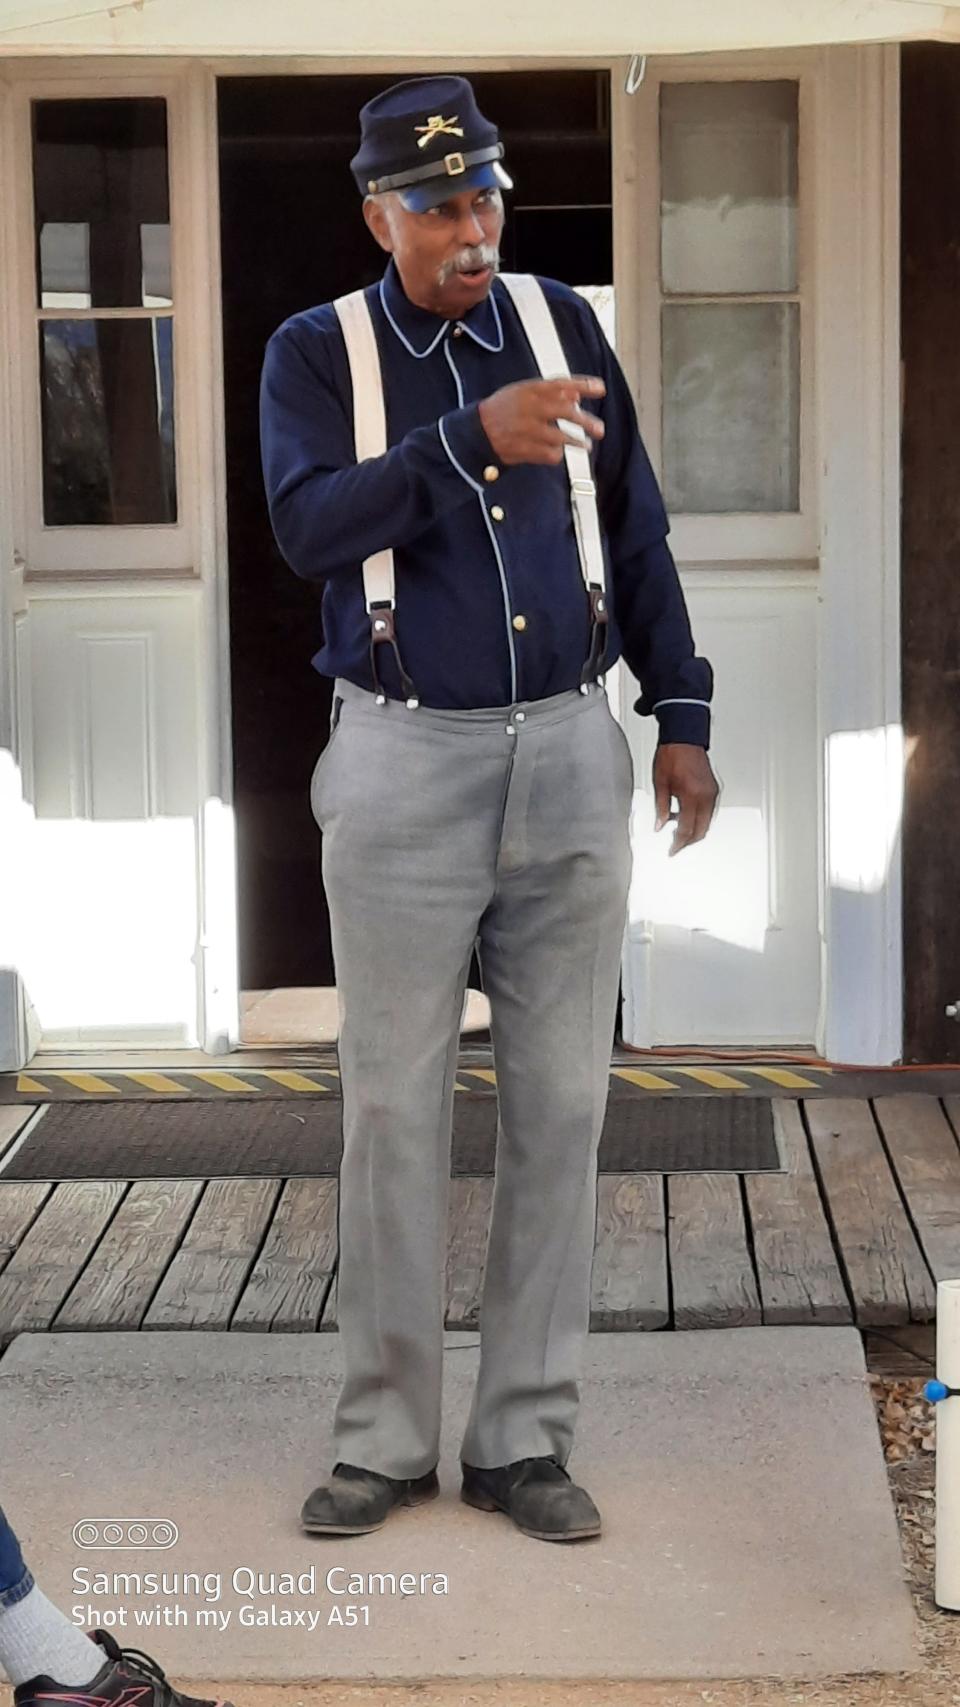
{"x": 420, "y": 331}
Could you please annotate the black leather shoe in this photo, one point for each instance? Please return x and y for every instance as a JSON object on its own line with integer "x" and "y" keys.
{"x": 355, "y": 1500}
{"x": 126, "y": 1676}
{"x": 538, "y": 1494}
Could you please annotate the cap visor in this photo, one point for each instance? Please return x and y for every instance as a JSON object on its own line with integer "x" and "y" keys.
{"x": 433, "y": 191}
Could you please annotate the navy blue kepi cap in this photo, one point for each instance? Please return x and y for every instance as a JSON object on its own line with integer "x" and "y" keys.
{"x": 427, "y": 139}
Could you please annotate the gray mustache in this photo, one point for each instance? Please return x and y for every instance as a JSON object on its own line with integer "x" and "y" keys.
{"x": 485, "y": 255}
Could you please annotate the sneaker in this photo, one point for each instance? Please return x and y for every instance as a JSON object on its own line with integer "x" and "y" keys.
{"x": 355, "y": 1500}
{"x": 538, "y": 1494}
{"x": 127, "y": 1677}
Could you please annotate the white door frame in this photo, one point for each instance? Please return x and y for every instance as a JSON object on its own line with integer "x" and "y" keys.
{"x": 861, "y": 738}
{"x": 848, "y": 538}
{"x": 17, "y": 1038}
{"x": 190, "y": 561}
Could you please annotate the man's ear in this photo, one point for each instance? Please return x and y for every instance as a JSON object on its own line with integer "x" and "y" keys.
{"x": 375, "y": 215}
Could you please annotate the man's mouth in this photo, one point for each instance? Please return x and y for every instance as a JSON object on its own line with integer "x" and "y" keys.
{"x": 474, "y": 274}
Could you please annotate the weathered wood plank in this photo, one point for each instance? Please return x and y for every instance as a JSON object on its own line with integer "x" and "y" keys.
{"x": 924, "y": 1152}
{"x": 289, "y": 1282}
{"x": 886, "y": 1275}
{"x": 714, "y": 1285}
{"x": 208, "y": 1274}
{"x": 468, "y": 1223}
{"x": 20, "y": 1204}
{"x": 952, "y": 1106}
{"x": 630, "y": 1286}
{"x": 13, "y": 1118}
{"x": 909, "y": 1350}
{"x": 800, "y": 1279}
{"x": 115, "y": 1288}
{"x": 48, "y": 1259}
{"x": 328, "y": 1320}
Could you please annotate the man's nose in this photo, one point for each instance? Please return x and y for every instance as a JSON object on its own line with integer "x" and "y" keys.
{"x": 470, "y": 231}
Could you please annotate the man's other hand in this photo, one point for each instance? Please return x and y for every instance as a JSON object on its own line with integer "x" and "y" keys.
{"x": 684, "y": 771}
{"x": 521, "y": 420}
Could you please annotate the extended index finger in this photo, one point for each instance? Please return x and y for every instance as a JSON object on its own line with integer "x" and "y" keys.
{"x": 575, "y": 385}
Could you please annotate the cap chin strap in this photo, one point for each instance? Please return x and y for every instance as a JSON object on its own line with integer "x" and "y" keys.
{"x": 370, "y": 439}
{"x": 544, "y": 340}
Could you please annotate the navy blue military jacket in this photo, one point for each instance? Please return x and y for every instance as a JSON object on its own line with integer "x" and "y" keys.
{"x": 491, "y": 610}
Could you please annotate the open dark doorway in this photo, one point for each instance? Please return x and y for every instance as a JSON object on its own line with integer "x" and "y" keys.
{"x": 291, "y": 236}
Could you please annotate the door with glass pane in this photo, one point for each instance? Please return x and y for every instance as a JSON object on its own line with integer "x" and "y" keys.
{"x": 713, "y": 293}
{"x": 109, "y": 647}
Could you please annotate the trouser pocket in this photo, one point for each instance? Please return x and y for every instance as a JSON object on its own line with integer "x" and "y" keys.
{"x": 319, "y": 769}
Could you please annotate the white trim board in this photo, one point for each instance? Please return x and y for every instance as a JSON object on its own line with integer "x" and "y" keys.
{"x": 858, "y": 305}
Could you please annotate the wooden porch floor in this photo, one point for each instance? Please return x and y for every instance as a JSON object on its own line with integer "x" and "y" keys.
{"x": 858, "y": 1229}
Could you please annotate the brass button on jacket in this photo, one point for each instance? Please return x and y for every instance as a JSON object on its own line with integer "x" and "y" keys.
{"x": 520, "y": 623}
{"x": 496, "y": 512}
{"x": 491, "y": 472}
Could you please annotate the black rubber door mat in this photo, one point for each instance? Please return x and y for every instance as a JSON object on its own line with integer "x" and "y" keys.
{"x": 217, "y": 1140}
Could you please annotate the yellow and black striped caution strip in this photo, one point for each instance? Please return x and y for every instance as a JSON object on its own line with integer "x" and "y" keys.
{"x": 56, "y": 1084}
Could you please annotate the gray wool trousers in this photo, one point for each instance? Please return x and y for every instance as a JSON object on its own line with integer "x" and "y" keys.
{"x": 508, "y": 828}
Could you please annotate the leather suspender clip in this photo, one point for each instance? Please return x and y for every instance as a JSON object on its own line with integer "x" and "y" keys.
{"x": 383, "y": 630}
{"x": 598, "y": 638}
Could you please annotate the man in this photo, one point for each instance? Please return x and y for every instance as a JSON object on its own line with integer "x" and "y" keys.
{"x": 475, "y": 789}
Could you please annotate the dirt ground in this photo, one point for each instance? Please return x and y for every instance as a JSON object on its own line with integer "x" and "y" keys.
{"x": 907, "y": 1428}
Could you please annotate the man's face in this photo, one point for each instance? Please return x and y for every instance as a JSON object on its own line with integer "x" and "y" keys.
{"x": 447, "y": 256}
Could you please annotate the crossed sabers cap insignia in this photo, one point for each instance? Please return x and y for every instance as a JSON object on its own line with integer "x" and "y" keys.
{"x": 438, "y": 126}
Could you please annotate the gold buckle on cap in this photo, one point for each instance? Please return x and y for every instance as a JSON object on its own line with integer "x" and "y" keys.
{"x": 454, "y": 164}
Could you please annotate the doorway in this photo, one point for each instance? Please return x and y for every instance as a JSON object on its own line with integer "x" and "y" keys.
{"x": 292, "y": 235}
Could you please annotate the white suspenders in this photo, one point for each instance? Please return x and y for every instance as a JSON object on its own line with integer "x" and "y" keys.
{"x": 539, "y": 325}
{"x": 370, "y": 439}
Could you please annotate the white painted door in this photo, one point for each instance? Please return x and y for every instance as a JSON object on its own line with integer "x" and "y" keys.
{"x": 125, "y": 851}
{"x": 713, "y": 273}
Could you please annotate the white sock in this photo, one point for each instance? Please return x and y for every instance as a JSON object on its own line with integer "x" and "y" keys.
{"x": 36, "y": 1639}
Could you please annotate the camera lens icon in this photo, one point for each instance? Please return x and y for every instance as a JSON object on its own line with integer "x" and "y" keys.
{"x": 121, "y": 1534}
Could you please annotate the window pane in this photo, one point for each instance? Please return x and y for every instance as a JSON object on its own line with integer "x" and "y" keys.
{"x": 731, "y": 406}
{"x": 728, "y": 205}
{"x": 600, "y": 298}
{"x": 102, "y": 203}
{"x": 108, "y": 447}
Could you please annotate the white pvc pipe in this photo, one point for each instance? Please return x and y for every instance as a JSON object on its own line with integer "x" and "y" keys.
{"x": 946, "y": 1591}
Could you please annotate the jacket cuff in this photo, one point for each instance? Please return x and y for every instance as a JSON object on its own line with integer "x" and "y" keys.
{"x": 467, "y": 446}
{"x": 686, "y": 721}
